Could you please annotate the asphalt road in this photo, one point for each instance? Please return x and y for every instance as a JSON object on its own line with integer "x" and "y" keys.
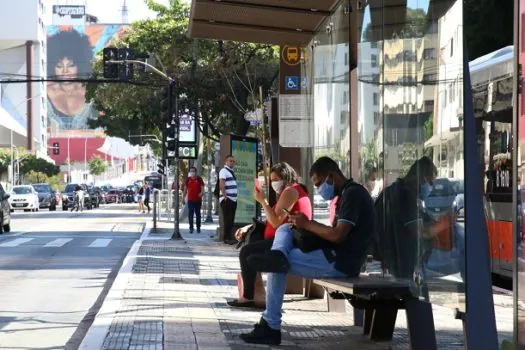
{"x": 55, "y": 270}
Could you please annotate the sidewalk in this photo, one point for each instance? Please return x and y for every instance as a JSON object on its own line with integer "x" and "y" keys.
{"x": 174, "y": 297}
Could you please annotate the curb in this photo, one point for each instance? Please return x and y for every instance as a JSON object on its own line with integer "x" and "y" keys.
{"x": 98, "y": 330}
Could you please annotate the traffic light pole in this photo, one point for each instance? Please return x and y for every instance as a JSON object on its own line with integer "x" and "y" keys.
{"x": 173, "y": 110}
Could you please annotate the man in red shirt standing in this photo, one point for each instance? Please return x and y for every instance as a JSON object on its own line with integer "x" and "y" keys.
{"x": 194, "y": 190}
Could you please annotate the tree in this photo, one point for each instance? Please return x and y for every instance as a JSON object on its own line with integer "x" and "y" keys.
{"x": 488, "y": 26}
{"x": 39, "y": 165}
{"x": 97, "y": 166}
{"x": 32, "y": 177}
{"x": 217, "y": 78}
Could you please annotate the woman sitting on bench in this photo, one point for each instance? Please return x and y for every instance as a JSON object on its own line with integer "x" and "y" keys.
{"x": 292, "y": 198}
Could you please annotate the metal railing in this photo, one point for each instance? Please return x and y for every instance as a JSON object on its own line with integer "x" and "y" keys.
{"x": 163, "y": 206}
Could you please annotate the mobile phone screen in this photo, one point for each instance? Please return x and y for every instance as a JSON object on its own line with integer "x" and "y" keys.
{"x": 257, "y": 184}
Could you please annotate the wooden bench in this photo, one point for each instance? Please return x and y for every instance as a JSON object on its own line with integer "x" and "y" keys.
{"x": 376, "y": 301}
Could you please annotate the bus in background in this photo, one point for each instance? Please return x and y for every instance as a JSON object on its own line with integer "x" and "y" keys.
{"x": 492, "y": 92}
{"x": 155, "y": 180}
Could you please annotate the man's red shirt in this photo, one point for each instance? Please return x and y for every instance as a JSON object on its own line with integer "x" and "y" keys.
{"x": 194, "y": 187}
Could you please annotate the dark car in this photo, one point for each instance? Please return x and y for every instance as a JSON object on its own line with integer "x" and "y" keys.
{"x": 94, "y": 195}
{"x": 46, "y": 196}
{"x": 99, "y": 192}
{"x": 69, "y": 193}
{"x": 5, "y": 212}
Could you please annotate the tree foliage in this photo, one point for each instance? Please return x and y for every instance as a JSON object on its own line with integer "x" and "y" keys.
{"x": 39, "y": 165}
{"x": 488, "y": 25}
{"x": 217, "y": 78}
{"x": 97, "y": 166}
{"x": 33, "y": 177}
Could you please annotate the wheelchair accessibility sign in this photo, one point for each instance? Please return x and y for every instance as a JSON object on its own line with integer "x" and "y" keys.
{"x": 291, "y": 83}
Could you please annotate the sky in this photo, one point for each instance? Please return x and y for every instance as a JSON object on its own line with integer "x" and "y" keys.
{"x": 109, "y": 11}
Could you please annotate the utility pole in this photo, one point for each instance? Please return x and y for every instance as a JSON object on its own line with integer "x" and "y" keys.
{"x": 173, "y": 112}
{"x": 209, "y": 218}
{"x": 125, "y": 58}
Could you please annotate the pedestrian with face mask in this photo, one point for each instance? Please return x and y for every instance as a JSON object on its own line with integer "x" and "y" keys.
{"x": 341, "y": 253}
{"x": 405, "y": 232}
{"x": 291, "y": 197}
{"x": 193, "y": 191}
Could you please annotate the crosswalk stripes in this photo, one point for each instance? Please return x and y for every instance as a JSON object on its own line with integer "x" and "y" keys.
{"x": 100, "y": 242}
{"x": 59, "y": 242}
{"x": 15, "y": 242}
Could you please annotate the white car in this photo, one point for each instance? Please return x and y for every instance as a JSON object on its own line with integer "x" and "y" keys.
{"x": 320, "y": 203}
{"x": 24, "y": 198}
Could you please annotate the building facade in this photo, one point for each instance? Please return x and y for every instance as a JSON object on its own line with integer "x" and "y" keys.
{"x": 22, "y": 55}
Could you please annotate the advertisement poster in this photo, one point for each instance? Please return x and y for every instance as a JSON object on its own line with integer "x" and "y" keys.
{"x": 70, "y": 53}
{"x": 245, "y": 153}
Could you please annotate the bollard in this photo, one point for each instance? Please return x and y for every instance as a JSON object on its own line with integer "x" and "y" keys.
{"x": 155, "y": 202}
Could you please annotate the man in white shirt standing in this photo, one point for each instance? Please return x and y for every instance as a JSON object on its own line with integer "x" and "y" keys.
{"x": 228, "y": 200}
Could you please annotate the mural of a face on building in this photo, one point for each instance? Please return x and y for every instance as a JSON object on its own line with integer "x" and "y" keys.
{"x": 69, "y": 57}
{"x": 70, "y": 52}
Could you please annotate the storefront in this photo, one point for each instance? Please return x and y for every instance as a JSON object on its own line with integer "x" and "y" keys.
{"x": 385, "y": 84}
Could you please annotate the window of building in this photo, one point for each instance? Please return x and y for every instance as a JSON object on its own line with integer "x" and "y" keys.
{"x": 346, "y": 58}
{"x": 377, "y": 115}
{"x": 345, "y": 98}
{"x": 451, "y": 47}
{"x": 373, "y": 44}
{"x": 376, "y": 99}
{"x": 343, "y": 119}
{"x": 429, "y": 54}
{"x": 373, "y": 59}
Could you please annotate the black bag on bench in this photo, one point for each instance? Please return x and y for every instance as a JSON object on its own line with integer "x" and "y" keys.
{"x": 308, "y": 241}
{"x": 255, "y": 233}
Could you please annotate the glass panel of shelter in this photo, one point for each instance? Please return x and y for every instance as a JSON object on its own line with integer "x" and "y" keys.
{"x": 410, "y": 112}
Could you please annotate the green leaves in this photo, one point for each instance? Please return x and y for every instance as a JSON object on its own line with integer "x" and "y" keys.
{"x": 218, "y": 78}
{"x": 32, "y": 163}
{"x": 97, "y": 166}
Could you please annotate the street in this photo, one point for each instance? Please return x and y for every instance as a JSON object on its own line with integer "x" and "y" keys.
{"x": 55, "y": 270}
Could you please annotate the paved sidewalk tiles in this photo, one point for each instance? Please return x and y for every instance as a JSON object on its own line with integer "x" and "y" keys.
{"x": 176, "y": 299}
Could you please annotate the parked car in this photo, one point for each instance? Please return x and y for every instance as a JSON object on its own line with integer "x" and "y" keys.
{"x": 5, "y": 211}
{"x": 113, "y": 196}
{"x": 69, "y": 193}
{"x": 100, "y": 195}
{"x": 320, "y": 203}
{"x": 24, "y": 197}
{"x": 46, "y": 196}
{"x": 94, "y": 196}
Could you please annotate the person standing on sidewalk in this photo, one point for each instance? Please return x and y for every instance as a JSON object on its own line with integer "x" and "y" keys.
{"x": 193, "y": 191}
{"x": 228, "y": 199}
{"x": 147, "y": 195}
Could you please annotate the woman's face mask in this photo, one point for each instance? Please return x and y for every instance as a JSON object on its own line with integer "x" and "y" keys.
{"x": 278, "y": 186}
{"x": 326, "y": 190}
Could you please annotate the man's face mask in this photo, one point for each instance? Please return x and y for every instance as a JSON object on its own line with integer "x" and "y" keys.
{"x": 326, "y": 190}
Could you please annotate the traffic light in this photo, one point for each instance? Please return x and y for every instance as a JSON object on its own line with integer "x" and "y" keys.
{"x": 56, "y": 148}
{"x": 125, "y": 71}
{"x": 165, "y": 104}
{"x": 111, "y": 70}
{"x": 161, "y": 167}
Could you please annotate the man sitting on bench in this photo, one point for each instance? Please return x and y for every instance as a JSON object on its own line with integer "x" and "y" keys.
{"x": 345, "y": 245}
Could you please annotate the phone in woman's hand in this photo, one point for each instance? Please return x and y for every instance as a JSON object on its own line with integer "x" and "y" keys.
{"x": 257, "y": 185}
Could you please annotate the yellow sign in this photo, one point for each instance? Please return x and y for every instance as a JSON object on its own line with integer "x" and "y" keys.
{"x": 291, "y": 55}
